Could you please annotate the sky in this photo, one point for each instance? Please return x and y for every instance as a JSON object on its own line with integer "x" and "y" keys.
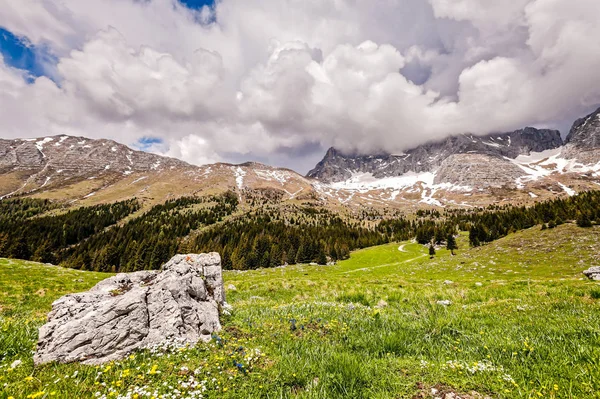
{"x": 280, "y": 81}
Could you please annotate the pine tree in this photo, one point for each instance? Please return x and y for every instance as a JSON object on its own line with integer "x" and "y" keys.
{"x": 19, "y": 249}
{"x": 321, "y": 257}
{"x": 451, "y": 244}
{"x": 43, "y": 253}
{"x": 584, "y": 221}
{"x": 431, "y": 251}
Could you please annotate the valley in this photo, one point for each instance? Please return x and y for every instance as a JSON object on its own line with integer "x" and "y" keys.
{"x": 521, "y": 322}
{"x": 256, "y": 199}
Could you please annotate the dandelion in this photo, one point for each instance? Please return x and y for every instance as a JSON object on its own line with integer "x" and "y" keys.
{"x": 28, "y": 378}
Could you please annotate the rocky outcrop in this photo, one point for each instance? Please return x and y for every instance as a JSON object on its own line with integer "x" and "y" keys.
{"x": 181, "y": 303}
{"x": 585, "y": 132}
{"x": 583, "y": 141}
{"x": 593, "y": 273}
{"x": 477, "y": 171}
{"x": 336, "y": 166}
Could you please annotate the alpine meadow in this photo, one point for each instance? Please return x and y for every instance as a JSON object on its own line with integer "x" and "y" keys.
{"x": 260, "y": 199}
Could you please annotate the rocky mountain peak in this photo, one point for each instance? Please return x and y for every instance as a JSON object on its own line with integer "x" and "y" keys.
{"x": 585, "y": 133}
{"x": 337, "y": 166}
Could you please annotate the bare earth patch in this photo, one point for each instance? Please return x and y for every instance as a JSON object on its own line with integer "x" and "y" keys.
{"x": 440, "y": 391}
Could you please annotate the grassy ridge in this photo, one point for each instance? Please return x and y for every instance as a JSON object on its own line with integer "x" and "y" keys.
{"x": 522, "y": 323}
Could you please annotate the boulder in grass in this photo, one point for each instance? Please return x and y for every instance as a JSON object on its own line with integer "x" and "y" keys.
{"x": 593, "y": 273}
{"x": 134, "y": 311}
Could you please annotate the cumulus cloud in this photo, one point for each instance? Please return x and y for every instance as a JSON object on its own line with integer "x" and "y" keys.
{"x": 279, "y": 81}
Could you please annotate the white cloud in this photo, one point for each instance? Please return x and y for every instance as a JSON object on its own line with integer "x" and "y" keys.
{"x": 273, "y": 75}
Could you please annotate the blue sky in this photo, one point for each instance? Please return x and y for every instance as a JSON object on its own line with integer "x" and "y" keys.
{"x": 19, "y": 53}
{"x": 147, "y": 143}
{"x": 197, "y": 4}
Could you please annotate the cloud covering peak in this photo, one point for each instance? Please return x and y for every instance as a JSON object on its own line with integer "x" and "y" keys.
{"x": 279, "y": 81}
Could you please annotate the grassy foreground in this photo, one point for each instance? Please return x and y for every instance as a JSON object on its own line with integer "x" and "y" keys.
{"x": 522, "y": 323}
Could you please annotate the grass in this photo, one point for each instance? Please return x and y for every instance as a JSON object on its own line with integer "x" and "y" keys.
{"x": 523, "y": 323}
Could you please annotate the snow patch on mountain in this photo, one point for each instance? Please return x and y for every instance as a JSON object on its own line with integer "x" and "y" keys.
{"x": 138, "y": 180}
{"x": 239, "y": 177}
{"x": 365, "y": 182}
{"x": 40, "y": 145}
{"x": 273, "y": 175}
{"x": 538, "y": 165}
{"x": 568, "y": 190}
{"x": 389, "y": 188}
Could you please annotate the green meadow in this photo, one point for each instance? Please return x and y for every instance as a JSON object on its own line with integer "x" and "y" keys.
{"x": 513, "y": 319}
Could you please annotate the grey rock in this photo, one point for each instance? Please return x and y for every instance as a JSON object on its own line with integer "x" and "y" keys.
{"x": 134, "y": 311}
{"x": 585, "y": 133}
{"x": 583, "y": 141}
{"x": 593, "y": 273}
{"x": 444, "y": 303}
{"x": 478, "y": 171}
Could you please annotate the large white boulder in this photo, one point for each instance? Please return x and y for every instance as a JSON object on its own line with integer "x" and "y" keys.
{"x": 134, "y": 311}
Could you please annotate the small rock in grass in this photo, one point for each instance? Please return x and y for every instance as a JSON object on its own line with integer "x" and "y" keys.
{"x": 381, "y": 304}
{"x": 444, "y": 302}
{"x": 226, "y": 309}
{"x": 231, "y": 287}
{"x": 448, "y": 282}
{"x": 479, "y": 284}
{"x": 593, "y": 273}
{"x": 15, "y": 364}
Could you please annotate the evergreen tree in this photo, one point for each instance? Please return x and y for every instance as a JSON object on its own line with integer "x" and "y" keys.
{"x": 431, "y": 251}
{"x": 321, "y": 257}
{"x": 19, "y": 249}
{"x": 43, "y": 253}
{"x": 584, "y": 221}
{"x": 451, "y": 244}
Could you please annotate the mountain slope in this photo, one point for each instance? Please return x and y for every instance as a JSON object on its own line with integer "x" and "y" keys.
{"x": 76, "y": 169}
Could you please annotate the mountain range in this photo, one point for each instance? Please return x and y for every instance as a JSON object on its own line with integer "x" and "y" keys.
{"x": 465, "y": 170}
